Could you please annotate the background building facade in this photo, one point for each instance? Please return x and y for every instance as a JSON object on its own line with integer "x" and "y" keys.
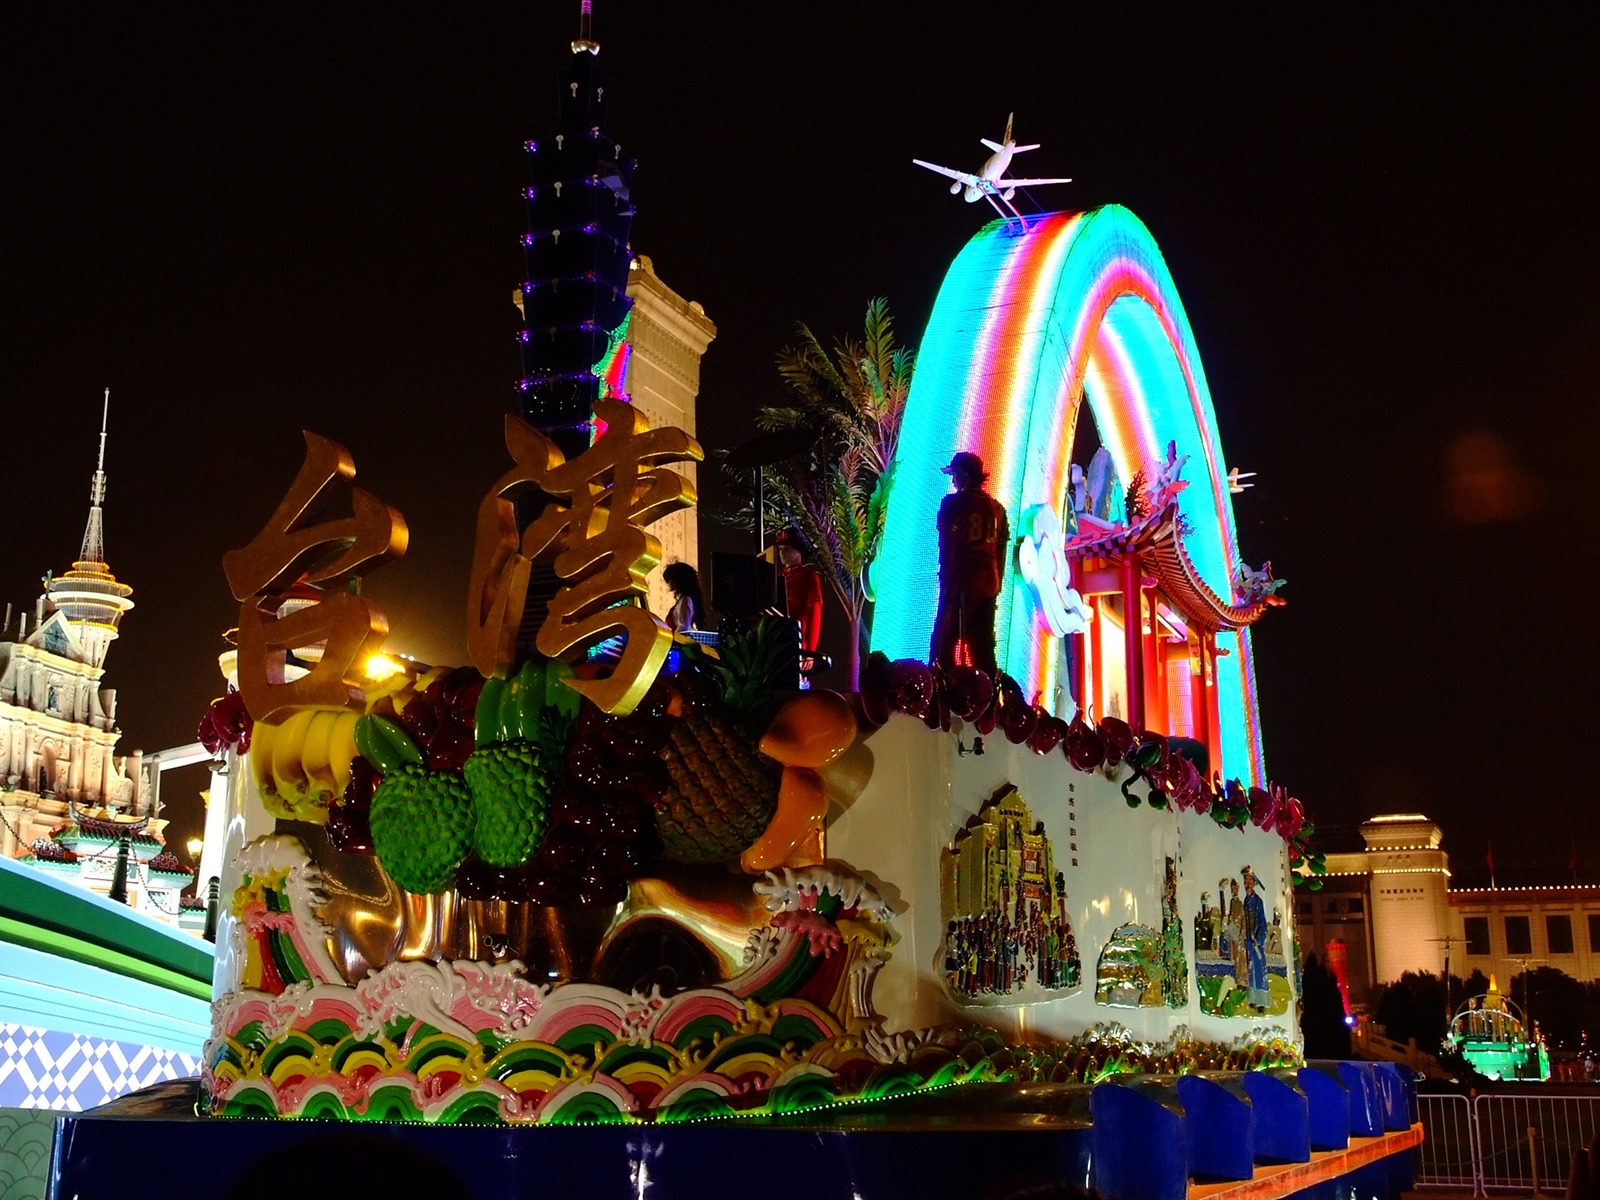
{"x": 1389, "y": 908}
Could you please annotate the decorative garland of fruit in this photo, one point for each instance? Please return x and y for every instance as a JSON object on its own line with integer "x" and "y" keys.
{"x": 522, "y": 725}
{"x": 1171, "y": 766}
{"x": 520, "y": 789}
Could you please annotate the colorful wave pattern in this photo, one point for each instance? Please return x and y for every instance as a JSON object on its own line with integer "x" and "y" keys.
{"x": 472, "y": 1043}
{"x": 1025, "y": 324}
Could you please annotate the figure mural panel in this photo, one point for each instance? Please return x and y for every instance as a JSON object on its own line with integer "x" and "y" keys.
{"x": 1241, "y": 967}
{"x": 1007, "y": 937}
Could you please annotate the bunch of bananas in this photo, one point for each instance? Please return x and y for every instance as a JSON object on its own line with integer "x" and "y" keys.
{"x": 302, "y": 764}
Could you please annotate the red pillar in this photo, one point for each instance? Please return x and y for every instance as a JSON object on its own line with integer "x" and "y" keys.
{"x": 1213, "y": 712}
{"x": 1096, "y": 668}
{"x": 1077, "y": 640}
{"x": 1133, "y": 640}
{"x": 1155, "y": 671}
{"x": 1199, "y": 706}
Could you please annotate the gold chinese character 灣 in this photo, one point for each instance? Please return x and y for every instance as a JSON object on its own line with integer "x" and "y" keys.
{"x": 593, "y": 524}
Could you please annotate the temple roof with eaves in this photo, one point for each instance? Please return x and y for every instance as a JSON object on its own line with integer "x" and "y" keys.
{"x": 1157, "y": 540}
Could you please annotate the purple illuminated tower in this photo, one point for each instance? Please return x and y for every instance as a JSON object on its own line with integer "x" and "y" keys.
{"x": 574, "y": 295}
{"x": 579, "y": 214}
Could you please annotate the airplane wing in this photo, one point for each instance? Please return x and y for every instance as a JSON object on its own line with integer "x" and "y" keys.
{"x": 963, "y": 176}
{"x": 1009, "y": 183}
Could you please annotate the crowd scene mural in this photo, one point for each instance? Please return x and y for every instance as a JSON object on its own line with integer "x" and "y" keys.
{"x": 1007, "y": 935}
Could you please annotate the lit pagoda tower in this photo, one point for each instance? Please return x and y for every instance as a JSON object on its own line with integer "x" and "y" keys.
{"x": 89, "y": 596}
{"x": 575, "y": 297}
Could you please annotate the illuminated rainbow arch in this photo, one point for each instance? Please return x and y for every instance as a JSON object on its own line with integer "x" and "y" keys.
{"x": 1026, "y": 324}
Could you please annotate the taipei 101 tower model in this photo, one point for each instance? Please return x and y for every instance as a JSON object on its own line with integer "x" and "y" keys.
{"x": 575, "y": 296}
{"x": 595, "y": 315}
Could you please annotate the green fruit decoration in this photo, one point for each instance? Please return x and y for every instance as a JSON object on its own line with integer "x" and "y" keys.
{"x": 421, "y": 820}
{"x": 523, "y": 725}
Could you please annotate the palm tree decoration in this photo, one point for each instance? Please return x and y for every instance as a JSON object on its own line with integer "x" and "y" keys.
{"x": 838, "y": 493}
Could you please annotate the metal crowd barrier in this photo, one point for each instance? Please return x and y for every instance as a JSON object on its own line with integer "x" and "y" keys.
{"x": 1448, "y": 1156}
{"x": 1503, "y": 1142}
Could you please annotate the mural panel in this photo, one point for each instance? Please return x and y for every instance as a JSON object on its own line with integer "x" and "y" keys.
{"x": 1007, "y": 938}
{"x": 1241, "y": 950}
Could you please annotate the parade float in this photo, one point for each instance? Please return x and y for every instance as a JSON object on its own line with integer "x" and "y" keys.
{"x": 606, "y": 876}
{"x": 658, "y": 882}
{"x": 662, "y": 919}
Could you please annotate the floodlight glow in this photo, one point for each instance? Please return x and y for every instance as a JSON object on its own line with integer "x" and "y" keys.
{"x": 1026, "y": 323}
{"x": 379, "y": 667}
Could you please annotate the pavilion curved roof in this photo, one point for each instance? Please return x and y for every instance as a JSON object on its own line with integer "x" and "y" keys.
{"x": 1158, "y": 541}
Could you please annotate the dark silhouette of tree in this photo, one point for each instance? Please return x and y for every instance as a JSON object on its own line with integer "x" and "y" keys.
{"x": 1322, "y": 1013}
{"x": 1413, "y": 1006}
{"x": 1560, "y": 1005}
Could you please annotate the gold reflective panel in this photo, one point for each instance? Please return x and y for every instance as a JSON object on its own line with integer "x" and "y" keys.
{"x": 350, "y": 629}
{"x": 304, "y": 542}
{"x": 593, "y": 523}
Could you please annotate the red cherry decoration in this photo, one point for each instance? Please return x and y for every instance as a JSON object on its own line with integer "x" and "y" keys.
{"x": 1084, "y": 747}
{"x": 875, "y": 708}
{"x": 564, "y": 851}
{"x": 910, "y": 686}
{"x": 1017, "y": 722}
{"x": 542, "y": 886}
{"x": 968, "y": 691}
{"x": 348, "y": 830}
{"x": 1118, "y": 735}
{"x": 1047, "y": 733}
{"x": 984, "y": 725}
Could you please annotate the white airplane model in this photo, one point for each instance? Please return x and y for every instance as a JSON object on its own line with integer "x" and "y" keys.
{"x": 990, "y": 181}
{"x": 1236, "y": 479}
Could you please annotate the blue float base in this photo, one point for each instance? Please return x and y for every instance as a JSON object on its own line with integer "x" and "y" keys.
{"x": 1262, "y": 1136}
{"x": 886, "y": 1155}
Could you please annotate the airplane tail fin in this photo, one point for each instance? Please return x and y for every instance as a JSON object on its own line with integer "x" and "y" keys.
{"x": 1007, "y": 137}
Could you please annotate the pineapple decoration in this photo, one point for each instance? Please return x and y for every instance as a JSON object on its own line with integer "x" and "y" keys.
{"x": 723, "y": 790}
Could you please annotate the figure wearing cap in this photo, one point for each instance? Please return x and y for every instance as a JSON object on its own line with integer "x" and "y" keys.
{"x": 802, "y": 588}
{"x": 974, "y": 537}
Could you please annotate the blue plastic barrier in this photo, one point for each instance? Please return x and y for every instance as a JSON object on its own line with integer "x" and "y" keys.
{"x": 1217, "y": 1126}
{"x": 1280, "y": 1124}
{"x": 1140, "y": 1151}
{"x": 1328, "y": 1102}
{"x": 1366, "y": 1103}
{"x": 1397, "y": 1095}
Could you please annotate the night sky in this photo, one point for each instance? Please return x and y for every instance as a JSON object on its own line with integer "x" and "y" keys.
{"x": 249, "y": 220}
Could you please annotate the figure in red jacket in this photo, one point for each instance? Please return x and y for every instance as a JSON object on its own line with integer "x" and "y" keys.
{"x": 974, "y": 538}
{"x": 802, "y": 588}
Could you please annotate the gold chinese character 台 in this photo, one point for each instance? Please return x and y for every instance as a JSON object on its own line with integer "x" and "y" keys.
{"x": 593, "y": 523}
{"x": 306, "y": 543}
{"x": 303, "y": 543}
